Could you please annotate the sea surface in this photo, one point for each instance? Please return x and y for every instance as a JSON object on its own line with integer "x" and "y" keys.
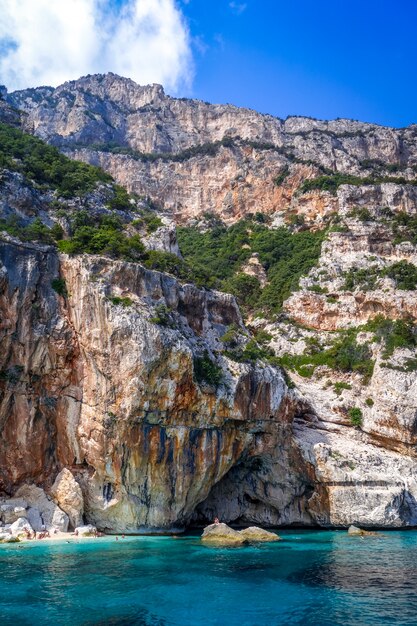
{"x": 318, "y": 578}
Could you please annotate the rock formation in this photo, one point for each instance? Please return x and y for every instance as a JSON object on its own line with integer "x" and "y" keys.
{"x": 114, "y": 394}
{"x": 220, "y": 534}
{"x": 67, "y": 493}
{"x": 103, "y": 404}
{"x": 192, "y": 157}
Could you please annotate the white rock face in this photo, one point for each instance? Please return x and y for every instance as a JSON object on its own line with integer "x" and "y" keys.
{"x": 67, "y": 494}
{"x": 362, "y": 484}
{"x": 20, "y": 527}
{"x": 43, "y": 511}
{"x": 9, "y": 513}
{"x": 85, "y": 531}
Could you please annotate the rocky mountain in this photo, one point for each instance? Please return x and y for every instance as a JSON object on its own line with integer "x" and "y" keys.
{"x": 193, "y": 157}
{"x": 166, "y": 407}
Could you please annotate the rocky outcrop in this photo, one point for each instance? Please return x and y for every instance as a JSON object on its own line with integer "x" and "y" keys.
{"x": 143, "y": 437}
{"x": 253, "y": 534}
{"x": 86, "y": 531}
{"x": 42, "y": 511}
{"x": 220, "y": 534}
{"x": 146, "y": 415}
{"x": 67, "y": 494}
{"x": 20, "y": 528}
{"x": 354, "y": 531}
{"x": 30, "y": 505}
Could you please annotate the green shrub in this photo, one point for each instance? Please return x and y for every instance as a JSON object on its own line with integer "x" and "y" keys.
{"x": 162, "y": 316}
{"x": 58, "y": 285}
{"x": 251, "y": 353}
{"x": 280, "y": 178}
{"x": 207, "y": 371}
{"x": 102, "y": 234}
{"x": 365, "y": 279}
{"x": 333, "y": 181}
{"x": 369, "y": 402}
{"x": 404, "y": 227}
{"x": 340, "y": 386}
{"x": 345, "y": 355}
{"x": 230, "y": 339}
{"x": 124, "y": 302}
{"x": 318, "y": 289}
{"x": 221, "y": 251}
{"x": 404, "y": 275}
{"x": 394, "y": 334}
{"x": 361, "y": 213}
{"x": 149, "y": 221}
{"x": 34, "y": 231}
{"x": 120, "y": 200}
{"x": 355, "y": 415}
{"x": 245, "y": 288}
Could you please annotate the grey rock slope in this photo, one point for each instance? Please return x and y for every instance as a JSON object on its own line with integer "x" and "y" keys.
{"x": 192, "y": 157}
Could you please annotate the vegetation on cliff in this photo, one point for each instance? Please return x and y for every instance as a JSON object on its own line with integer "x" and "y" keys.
{"x": 45, "y": 165}
{"x": 331, "y": 182}
{"x": 222, "y": 251}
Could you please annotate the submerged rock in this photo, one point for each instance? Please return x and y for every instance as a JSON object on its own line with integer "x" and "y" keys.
{"x": 222, "y": 534}
{"x": 253, "y": 533}
{"x": 359, "y": 532}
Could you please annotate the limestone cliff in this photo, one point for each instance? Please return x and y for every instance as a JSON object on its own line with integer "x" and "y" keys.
{"x": 123, "y": 378}
{"x": 109, "y": 393}
{"x": 193, "y": 157}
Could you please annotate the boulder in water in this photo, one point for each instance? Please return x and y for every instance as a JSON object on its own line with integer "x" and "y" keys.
{"x": 222, "y": 534}
{"x": 253, "y": 533}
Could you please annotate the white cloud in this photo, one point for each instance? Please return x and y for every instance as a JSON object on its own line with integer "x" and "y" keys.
{"x": 237, "y": 8}
{"x": 46, "y": 42}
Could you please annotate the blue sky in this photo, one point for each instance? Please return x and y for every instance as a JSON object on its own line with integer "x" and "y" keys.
{"x": 355, "y": 59}
{"x": 346, "y": 58}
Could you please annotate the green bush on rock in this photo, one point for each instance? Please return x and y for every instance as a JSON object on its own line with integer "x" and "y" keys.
{"x": 207, "y": 371}
{"x": 355, "y": 415}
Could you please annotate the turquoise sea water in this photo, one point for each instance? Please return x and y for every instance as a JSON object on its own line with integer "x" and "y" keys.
{"x": 310, "y": 578}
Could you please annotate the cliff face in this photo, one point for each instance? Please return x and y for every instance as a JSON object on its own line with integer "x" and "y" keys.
{"x": 174, "y": 150}
{"x": 106, "y": 383}
{"x": 105, "y": 391}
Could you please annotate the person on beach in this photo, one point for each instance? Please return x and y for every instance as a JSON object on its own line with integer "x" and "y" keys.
{"x": 216, "y": 520}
